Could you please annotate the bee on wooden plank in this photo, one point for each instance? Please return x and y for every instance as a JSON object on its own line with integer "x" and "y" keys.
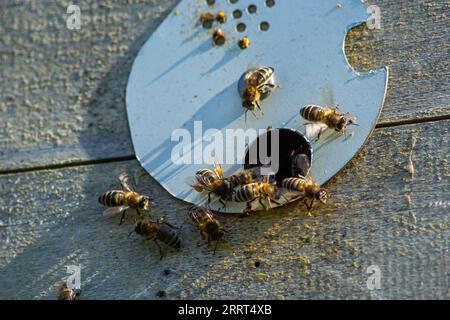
{"x": 256, "y": 85}
{"x": 160, "y": 230}
{"x": 307, "y": 189}
{"x": 119, "y": 201}
{"x": 66, "y": 293}
{"x": 210, "y": 228}
{"x": 257, "y": 191}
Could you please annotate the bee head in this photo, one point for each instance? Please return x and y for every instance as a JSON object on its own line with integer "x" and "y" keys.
{"x": 249, "y": 105}
{"x": 144, "y": 203}
{"x": 342, "y": 124}
{"x": 322, "y": 195}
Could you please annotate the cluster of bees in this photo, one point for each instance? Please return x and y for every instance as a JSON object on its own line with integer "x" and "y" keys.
{"x": 249, "y": 185}
{"x": 207, "y": 20}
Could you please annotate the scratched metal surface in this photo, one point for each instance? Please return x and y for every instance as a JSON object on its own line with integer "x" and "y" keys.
{"x": 179, "y": 80}
{"x": 379, "y": 214}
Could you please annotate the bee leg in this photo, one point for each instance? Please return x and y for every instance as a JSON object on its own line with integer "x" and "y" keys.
{"x": 123, "y": 217}
{"x": 262, "y": 204}
{"x": 308, "y": 206}
{"x": 259, "y": 107}
{"x": 209, "y": 197}
{"x": 224, "y": 204}
{"x": 215, "y": 247}
{"x": 320, "y": 133}
{"x": 160, "y": 250}
{"x": 247, "y": 211}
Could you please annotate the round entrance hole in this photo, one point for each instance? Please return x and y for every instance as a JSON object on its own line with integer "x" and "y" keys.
{"x": 288, "y": 142}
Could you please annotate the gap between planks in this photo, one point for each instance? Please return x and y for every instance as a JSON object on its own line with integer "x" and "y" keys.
{"x": 133, "y": 157}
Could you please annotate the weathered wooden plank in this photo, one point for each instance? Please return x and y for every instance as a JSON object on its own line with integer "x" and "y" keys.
{"x": 389, "y": 207}
{"x": 62, "y": 91}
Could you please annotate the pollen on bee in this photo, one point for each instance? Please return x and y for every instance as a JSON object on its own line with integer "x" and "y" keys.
{"x": 244, "y": 43}
{"x": 221, "y": 17}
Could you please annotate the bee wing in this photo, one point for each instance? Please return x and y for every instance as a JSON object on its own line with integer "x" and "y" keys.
{"x": 194, "y": 184}
{"x": 313, "y": 129}
{"x": 126, "y": 181}
{"x": 111, "y": 212}
{"x": 327, "y": 96}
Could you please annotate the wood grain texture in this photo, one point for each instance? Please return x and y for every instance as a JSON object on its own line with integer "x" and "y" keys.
{"x": 62, "y": 91}
{"x": 389, "y": 207}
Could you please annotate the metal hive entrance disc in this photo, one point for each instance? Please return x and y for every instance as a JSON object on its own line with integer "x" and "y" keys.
{"x": 179, "y": 79}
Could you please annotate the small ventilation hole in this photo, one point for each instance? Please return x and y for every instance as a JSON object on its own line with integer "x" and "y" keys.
{"x": 264, "y": 26}
{"x": 210, "y": 2}
{"x": 234, "y": 1}
{"x": 251, "y": 9}
{"x": 270, "y": 3}
{"x": 241, "y": 27}
{"x": 237, "y": 14}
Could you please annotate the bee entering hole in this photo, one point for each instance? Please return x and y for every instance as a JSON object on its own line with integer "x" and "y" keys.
{"x": 251, "y": 9}
{"x": 289, "y": 143}
{"x": 264, "y": 26}
{"x": 210, "y": 2}
{"x": 219, "y": 37}
{"x": 270, "y": 3}
{"x": 257, "y": 264}
{"x": 241, "y": 27}
{"x": 237, "y": 14}
{"x": 161, "y": 294}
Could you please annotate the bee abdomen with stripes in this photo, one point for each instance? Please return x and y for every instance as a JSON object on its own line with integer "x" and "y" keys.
{"x": 112, "y": 198}
{"x": 312, "y": 112}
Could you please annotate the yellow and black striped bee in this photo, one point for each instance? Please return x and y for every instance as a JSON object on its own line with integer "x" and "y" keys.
{"x": 213, "y": 182}
{"x": 158, "y": 231}
{"x": 119, "y": 201}
{"x": 256, "y": 85}
{"x": 257, "y": 191}
{"x": 207, "y": 19}
{"x": 307, "y": 189}
{"x": 245, "y": 176}
{"x": 322, "y": 118}
{"x": 210, "y": 228}
{"x": 66, "y": 293}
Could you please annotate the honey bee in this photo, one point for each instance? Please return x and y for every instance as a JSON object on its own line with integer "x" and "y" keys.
{"x": 257, "y": 191}
{"x": 246, "y": 176}
{"x": 210, "y": 228}
{"x": 322, "y": 118}
{"x": 213, "y": 182}
{"x": 256, "y": 85}
{"x": 158, "y": 231}
{"x": 307, "y": 189}
{"x": 219, "y": 37}
{"x": 207, "y": 19}
{"x": 66, "y": 293}
{"x": 221, "y": 17}
{"x": 301, "y": 163}
{"x": 244, "y": 43}
{"x": 119, "y": 201}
